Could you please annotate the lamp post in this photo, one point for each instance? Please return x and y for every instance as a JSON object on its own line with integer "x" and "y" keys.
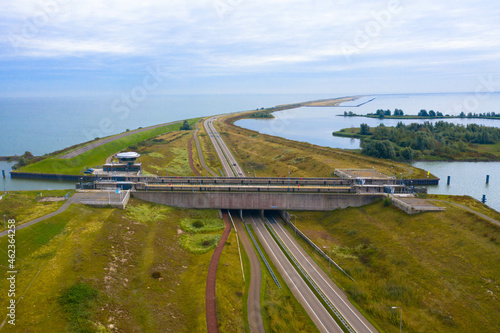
{"x": 400, "y": 318}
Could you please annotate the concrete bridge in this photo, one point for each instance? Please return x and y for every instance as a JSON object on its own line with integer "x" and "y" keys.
{"x": 258, "y": 201}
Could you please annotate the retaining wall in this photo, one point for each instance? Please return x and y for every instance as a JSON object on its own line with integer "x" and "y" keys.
{"x": 258, "y": 201}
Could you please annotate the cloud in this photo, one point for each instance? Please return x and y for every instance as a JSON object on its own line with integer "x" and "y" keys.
{"x": 213, "y": 37}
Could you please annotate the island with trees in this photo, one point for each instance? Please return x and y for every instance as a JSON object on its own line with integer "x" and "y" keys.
{"x": 428, "y": 141}
{"x": 422, "y": 114}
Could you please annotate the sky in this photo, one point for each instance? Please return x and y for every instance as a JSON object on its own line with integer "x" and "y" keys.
{"x": 337, "y": 47}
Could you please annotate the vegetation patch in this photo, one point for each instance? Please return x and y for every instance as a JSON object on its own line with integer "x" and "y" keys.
{"x": 146, "y": 213}
{"x": 201, "y": 225}
{"x": 78, "y": 303}
{"x": 428, "y": 141}
{"x": 200, "y": 243}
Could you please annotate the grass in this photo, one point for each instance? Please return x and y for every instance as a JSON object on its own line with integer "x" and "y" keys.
{"x": 273, "y": 156}
{"x": 200, "y": 225}
{"x": 466, "y": 201}
{"x": 77, "y": 303}
{"x": 23, "y": 206}
{"x": 230, "y": 288}
{"x": 439, "y": 267}
{"x": 96, "y": 156}
{"x": 209, "y": 153}
{"x": 144, "y": 279}
{"x": 199, "y": 244}
{"x": 166, "y": 153}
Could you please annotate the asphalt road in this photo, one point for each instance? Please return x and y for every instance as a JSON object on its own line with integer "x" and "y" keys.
{"x": 330, "y": 290}
{"x": 318, "y": 313}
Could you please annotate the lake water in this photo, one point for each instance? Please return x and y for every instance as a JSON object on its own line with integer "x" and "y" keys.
{"x": 466, "y": 178}
{"x": 316, "y": 124}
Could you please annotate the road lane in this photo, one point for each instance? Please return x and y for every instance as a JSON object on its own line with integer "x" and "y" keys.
{"x": 318, "y": 313}
{"x": 334, "y": 294}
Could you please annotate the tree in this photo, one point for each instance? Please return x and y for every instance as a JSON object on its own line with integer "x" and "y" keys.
{"x": 379, "y": 149}
{"x": 423, "y": 113}
{"x": 462, "y": 114}
{"x": 432, "y": 113}
{"x": 439, "y": 114}
{"x": 364, "y": 129}
{"x": 387, "y": 113}
{"x": 185, "y": 126}
{"x": 407, "y": 153}
{"x": 380, "y": 113}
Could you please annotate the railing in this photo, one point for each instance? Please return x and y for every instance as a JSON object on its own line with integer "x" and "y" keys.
{"x": 308, "y": 278}
{"x": 262, "y": 256}
{"x": 314, "y": 246}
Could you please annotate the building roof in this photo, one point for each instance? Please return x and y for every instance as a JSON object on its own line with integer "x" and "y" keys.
{"x": 129, "y": 154}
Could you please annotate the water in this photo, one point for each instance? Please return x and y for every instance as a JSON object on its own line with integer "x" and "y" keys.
{"x": 315, "y": 125}
{"x": 45, "y": 124}
{"x": 10, "y": 184}
{"x": 466, "y": 178}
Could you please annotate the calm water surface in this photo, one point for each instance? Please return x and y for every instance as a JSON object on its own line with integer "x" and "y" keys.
{"x": 315, "y": 125}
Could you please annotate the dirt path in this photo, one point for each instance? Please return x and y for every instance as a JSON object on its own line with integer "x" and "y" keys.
{"x": 99, "y": 143}
{"x": 486, "y": 217}
{"x": 210, "y": 306}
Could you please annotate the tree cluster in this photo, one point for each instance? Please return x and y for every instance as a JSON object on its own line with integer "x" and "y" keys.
{"x": 480, "y": 115}
{"x": 185, "y": 126}
{"x": 439, "y": 139}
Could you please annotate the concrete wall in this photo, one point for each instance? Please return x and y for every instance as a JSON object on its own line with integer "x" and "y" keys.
{"x": 260, "y": 201}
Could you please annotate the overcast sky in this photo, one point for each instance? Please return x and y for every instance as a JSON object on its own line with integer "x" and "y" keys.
{"x": 64, "y": 47}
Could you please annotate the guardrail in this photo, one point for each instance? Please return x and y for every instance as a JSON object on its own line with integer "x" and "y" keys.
{"x": 314, "y": 246}
{"x": 308, "y": 278}
{"x": 262, "y": 256}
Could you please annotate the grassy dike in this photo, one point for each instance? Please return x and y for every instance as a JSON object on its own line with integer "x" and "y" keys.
{"x": 274, "y": 156}
{"x": 440, "y": 267}
{"x": 109, "y": 270}
{"x": 98, "y": 155}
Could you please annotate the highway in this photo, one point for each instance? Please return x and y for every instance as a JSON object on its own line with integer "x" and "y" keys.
{"x": 318, "y": 313}
{"x": 229, "y": 163}
{"x": 344, "y": 311}
{"x": 336, "y": 296}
